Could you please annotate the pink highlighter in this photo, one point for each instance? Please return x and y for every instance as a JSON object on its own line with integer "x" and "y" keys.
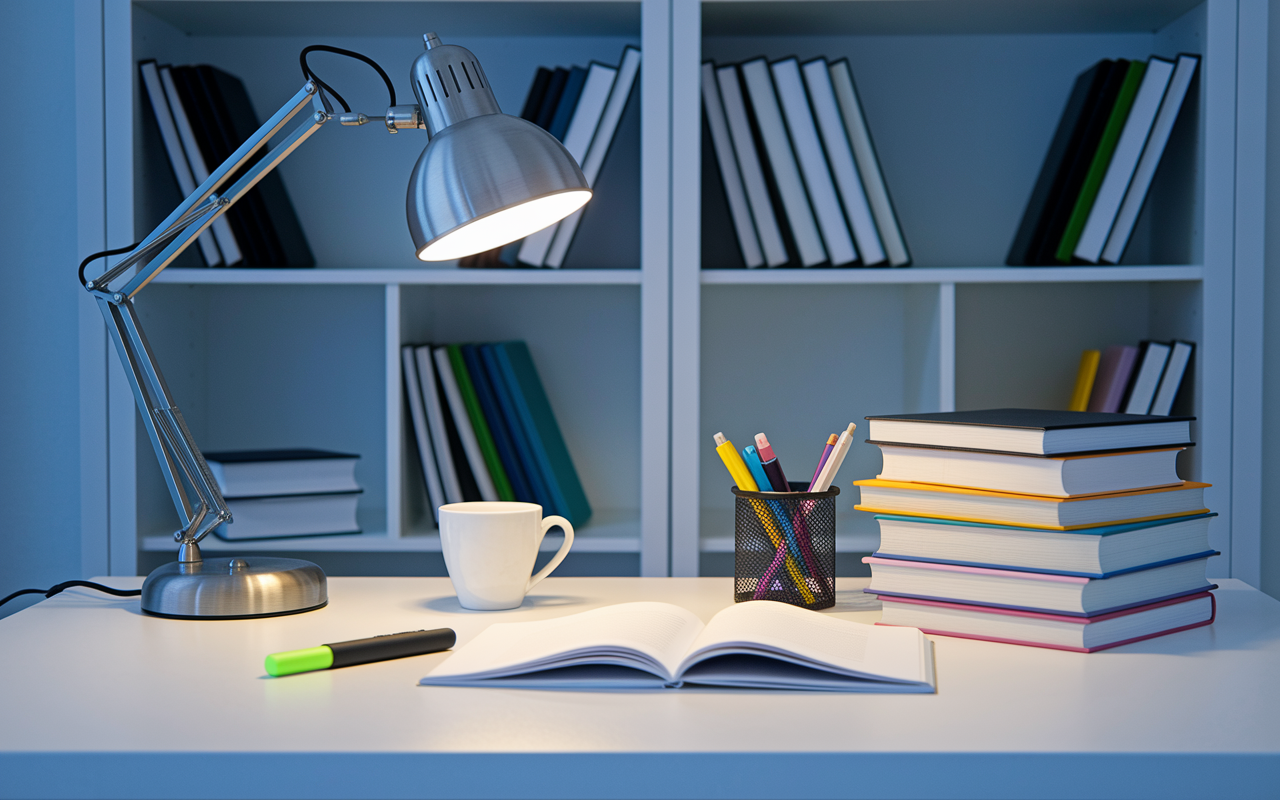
{"x": 771, "y": 466}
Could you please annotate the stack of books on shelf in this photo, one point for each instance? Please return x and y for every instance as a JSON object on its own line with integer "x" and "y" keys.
{"x": 204, "y": 115}
{"x": 1101, "y": 160}
{"x": 798, "y": 172}
{"x": 274, "y": 494}
{"x": 1132, "y": 380}
{"x": 589, "y": 109}
{"x": 484, "y": 429}
{"x": 1060, "y": 529}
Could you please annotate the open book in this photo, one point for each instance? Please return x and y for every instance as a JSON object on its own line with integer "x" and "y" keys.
{"x": 760, "y": 644}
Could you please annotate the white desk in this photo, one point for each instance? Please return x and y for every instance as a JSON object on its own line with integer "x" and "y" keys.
{"x": 98, "y": 700}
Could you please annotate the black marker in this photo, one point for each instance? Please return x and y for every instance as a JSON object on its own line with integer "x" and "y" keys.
{"x": 360, "y": 651}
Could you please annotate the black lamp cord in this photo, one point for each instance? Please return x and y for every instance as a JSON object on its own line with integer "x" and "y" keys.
{"x": 309, "y": 75}
{"x": 69, "y": 584}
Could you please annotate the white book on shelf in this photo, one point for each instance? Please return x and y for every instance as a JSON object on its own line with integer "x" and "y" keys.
{"x": 751, "y": 168}
{"x": 1171, "y": 380}
{"x": 173, "y": 148}
{"x": 826, "y": 111}
{"x": 435, "y": 419}
{"x": 1137, "y": 128}
{"x": 864, "y": 152}
{"x": 814, "y": 169}
{"x": 628, "y": 69}
{"x": 1151, "y": 363}
{"x": 421, "y": 432}
{"x": 1136, "y": 194}
{"x": 199, "y": 170}
{"x": 577, "y": 139}
{"x": 462, "y": 421}
{"x": 782, "y": 162}
{"x": 729, "y": 174}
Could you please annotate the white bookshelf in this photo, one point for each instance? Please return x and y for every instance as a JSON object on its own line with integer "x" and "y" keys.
{"x": 644, "y": 364}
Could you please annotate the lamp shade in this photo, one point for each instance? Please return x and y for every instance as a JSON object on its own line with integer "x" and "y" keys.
{"x": 485, "y": 178}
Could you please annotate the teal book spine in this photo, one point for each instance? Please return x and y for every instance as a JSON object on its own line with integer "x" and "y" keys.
{"x": 539, "y": 421}
{"x": 519, "y": 438}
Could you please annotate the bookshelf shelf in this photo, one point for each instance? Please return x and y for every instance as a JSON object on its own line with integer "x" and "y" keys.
{"x": 401, "y": 277}
{"x": 956, "y": 275}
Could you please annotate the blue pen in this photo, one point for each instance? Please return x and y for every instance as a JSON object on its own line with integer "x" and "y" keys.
{"x": 752, "y": 459}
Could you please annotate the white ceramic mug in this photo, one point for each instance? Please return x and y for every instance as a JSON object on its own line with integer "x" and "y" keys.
{"x": 490, "y": 547}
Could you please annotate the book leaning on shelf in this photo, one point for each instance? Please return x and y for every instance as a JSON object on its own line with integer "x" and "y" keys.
{"x": 1101, "y": 160}
{"x": 1135, "y": 380}
{"x": 204, "y": 114}
{"x": 484, "y": 429}
{"x": 1062, "y": 529}
{"x": 275, "y": 494}
{"x": 796, "y": 176}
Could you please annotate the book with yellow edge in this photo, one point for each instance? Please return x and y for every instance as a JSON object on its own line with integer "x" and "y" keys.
{"x": 1029, "y": 510}
{"x": 1084, "y": 380}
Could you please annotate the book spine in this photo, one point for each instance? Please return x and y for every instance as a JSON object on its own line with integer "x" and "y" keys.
{"x": 772, "y": 243}
{"x": 483, "y": 436}
{"x": 730, "y": 177}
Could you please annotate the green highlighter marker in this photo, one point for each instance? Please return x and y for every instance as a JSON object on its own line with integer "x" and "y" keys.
{"x": 360, "y": 651}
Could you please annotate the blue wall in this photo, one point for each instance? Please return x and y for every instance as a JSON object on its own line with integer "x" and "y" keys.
{"x": 39, "y": 350}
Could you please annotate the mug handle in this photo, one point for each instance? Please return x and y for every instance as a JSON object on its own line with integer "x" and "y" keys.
{"x": 547, "y": 524}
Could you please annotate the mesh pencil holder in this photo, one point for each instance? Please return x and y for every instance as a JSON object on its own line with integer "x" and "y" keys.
{"x": 785, "y": 546}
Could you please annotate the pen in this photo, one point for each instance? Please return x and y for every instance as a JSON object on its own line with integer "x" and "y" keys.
{"x": 742, "y": 477}
{"x": 360, "y": 651}
{"x": 752, "y": 459}
{"x": 829, "y": 469}
{"x": 826, "y": 453}
{"x": 772, "y": 467}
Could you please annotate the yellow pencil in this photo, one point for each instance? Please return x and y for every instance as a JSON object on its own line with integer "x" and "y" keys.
{"x": 742, "y": 477}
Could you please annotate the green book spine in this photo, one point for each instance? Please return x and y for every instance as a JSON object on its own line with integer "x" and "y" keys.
{"x": 1101, "y": 160}
{"x": 483, "y": 436}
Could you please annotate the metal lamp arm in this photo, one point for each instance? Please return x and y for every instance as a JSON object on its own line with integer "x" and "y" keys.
{"x": 180, "y": 459}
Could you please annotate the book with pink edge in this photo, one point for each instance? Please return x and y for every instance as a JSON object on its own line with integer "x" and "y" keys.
{"x": 1054, "y": 631}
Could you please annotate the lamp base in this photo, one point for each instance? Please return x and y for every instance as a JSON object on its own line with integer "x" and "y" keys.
{"x": 234, "y": 588}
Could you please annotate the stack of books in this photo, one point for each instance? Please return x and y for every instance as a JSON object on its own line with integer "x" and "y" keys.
{"x": 204, "y": 115}
{"x": 588, "y": 109}
{"x": 800, "y": 176}
{"x": 1060, "y": 529}
{"x": 274, "y": 494}
{"x": 1101, "y": 161}
{"x": 484, "y": 429}
{"x": 1134, "y": 380}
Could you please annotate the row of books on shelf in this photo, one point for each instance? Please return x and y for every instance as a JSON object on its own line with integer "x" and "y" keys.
{"x": 1060, "y": 529}
{"x": 797, "y": 166}
{"x": 1133, "y": 380}
{"x": 276, "y": 494}
{"x": 203, "y": 115}
{"x": 1101, "y": 162}
{"x": 485, "y": 430}
{"x": 588, "y": 109}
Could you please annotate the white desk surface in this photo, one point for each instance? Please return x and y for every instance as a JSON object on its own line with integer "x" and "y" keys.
{"x": 97, "y": 700}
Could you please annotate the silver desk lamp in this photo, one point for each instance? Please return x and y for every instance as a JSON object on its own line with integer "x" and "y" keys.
{"x": 484, "y": 179}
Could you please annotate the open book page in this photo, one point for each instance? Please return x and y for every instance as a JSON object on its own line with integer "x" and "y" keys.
{"x": 647, "y": 636}
{"x": 744, "y": 632}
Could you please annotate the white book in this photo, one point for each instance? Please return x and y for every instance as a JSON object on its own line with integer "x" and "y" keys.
{"x": 421, "y": 432}
{"x": 1137, "y": 128}
{"x": 826, "y": 111}
{"x": 864, "y": 152}
{"x": 1147, "y": 378}
{"x": 199, "y": 170}
{"x": 1172, "y": 379}
{"x": 462, "y": 421}
{"x": 754, "y": 645}
{"x": 813, "y": 162}
{"x": 751, "y": 168}
{"x": 173, "y": 148}
{"x": 1136, "y": 194}
{"x": 298, "y": 515}
{"x": 577, "y": 139}
{"x": 435, "y": 419}
{"x": 782, "y": 162}
{"x": 268, "y": 473}
{"x": 729, "y": 174}
{"x": 619, "y": 95}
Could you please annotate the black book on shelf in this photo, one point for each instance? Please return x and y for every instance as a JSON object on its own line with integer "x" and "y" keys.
{"x": 1026, "y": 242}
{"x": 551, "y": 100}
{"x": 568, "y": 101}
{"x": 720, "y": 248}
{"x": 466, "y": 480}
{"x": 204, "y": 126}
{"x": 1078, "y": 162}
{"x": 231, "y": 103}
{"x": 537, "y": 90}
